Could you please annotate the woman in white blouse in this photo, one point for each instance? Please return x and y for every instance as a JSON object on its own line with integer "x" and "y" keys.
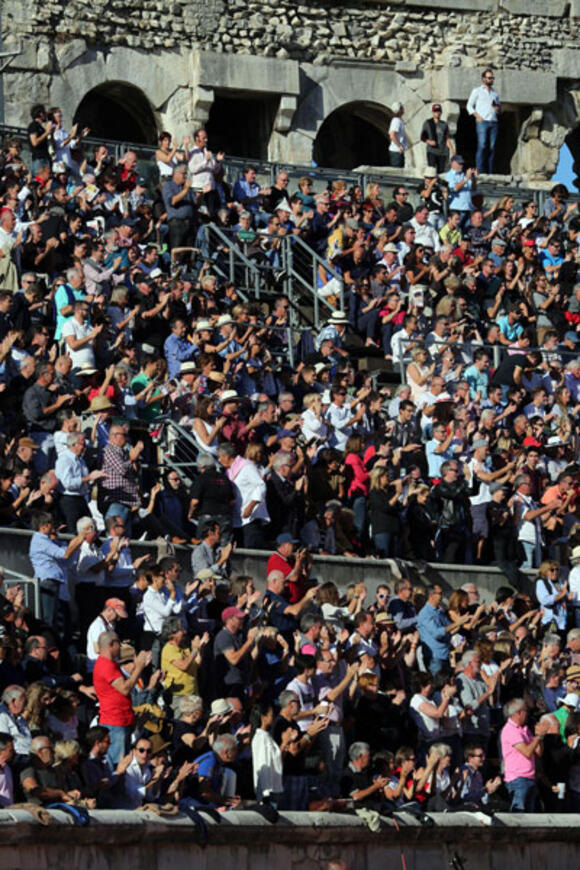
{"x": 427, "y": 715}
{"x": 267, "y": 755}
{"x": 313, "y": 426}
{"x": 159, "y": 601}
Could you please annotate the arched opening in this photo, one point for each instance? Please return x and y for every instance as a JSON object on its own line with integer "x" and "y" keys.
{"x": 118, "y": 111}
{"x": 241, "y": 124}
{"x": 572, "y": 142}
{"x": 510, "y": 122}
{"x": 353, "y": 135}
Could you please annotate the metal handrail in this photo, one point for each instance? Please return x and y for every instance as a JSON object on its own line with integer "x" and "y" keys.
{"x": 267, "y": 170}
{"x": 299, "y": 259}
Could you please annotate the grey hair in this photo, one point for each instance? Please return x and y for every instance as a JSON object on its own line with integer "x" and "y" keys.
{"x": 520, "y": 479}
{"x": 281, "y": 459}
{"x": 574, "y": 363}
{"x": 72, "y": 272}
{"x": 12, "y": 693}
{"x": 357, "y": 749}
{"x": 468, "y": 657}
{"x": 106, "y": 638}
{"x": 573, "y": 634}
{"x": 223, "y": 743}
{"x": 487, "y": 413}
{"x": 550, "y": 639}
{"x": 284, "y": 698}
{"x": 73, "y": 438}
{"x": 36, "y": 742}
{"x": 84, "y": 523}
{"x": 514, "y": 706}
{"x": 274, "y": 575}
{"x": 189, "y": 704}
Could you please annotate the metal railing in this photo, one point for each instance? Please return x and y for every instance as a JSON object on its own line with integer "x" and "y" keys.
{"x": 267, "y": 171}
{"x": 301, "y": 265}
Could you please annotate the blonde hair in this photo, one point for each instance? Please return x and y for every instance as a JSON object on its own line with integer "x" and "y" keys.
{"x": 118, "y": 295}
{"x": 254, "y": 452}
{"x": 309, "y": 399}
{"x": 375, "y": 477}
{"x": 65, "y": 749}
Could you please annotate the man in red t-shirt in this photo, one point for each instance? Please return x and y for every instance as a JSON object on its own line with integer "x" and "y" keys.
{"x": 294, "y": 575}
{"x": 113, "y": 690}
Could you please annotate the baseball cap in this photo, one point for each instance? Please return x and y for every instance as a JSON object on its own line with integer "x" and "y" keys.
{"x": 571, "y": 336}
{"x": 436, "y": 107}
{"x": 457, "y": 158}
{"x": 231, "y": 613}
{"x": 286, "y": 538}
{"x": 141, "y": 182}
{"x": 118, "y": 606}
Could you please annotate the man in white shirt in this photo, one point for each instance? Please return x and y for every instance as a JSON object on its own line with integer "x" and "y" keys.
{"x": 397, "y": 136}
{"x": 342, "y": 419}
{"x": 113, "y": 611}
{"x": 484, "y": 104}
{"x": 80, "y": 337}
{"x": 203, "y": 167}
{"x": 425, "y": 233}
{"x": 574, "y": 584}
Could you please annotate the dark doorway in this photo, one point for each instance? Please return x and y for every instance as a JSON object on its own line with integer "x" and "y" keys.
{"x": 510, "y": 122}
{"x": 353, "y": 135}
{"x": 242, "y": 124}
{"x": 572, "y": 140}
{"x": 118, "y": 111}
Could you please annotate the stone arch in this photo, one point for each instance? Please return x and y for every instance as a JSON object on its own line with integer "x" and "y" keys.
{"x": 546, "y": 130}
{"x": 353, "y": 135}
{"x": 118, "y": 110}
{"x": 324, "y": 92}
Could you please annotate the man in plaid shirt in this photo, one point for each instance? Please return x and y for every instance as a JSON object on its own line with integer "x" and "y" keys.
{"x": 119, "y": 491}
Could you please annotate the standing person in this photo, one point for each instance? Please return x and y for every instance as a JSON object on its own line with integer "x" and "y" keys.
{"x": 49, "y": 557}
{"x": 435, "y": 629}
{"x": 484, "y": 104}
{"x": 461, "y": 185}
{"x": 114, "y": 693}
{"x": 231, "y": 654}
{"x": 398, "y": 137}
{"x": 203, "y": 168}
{"x": 519, "y": 749}
{"x": 179, "y": 204}
{"x": 75, "y": 479}
{"x": 435, "y": 135}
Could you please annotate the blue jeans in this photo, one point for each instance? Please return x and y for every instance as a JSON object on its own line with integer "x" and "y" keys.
{"x": 486, "y": 136}
{"x": 359, "y": 507}
{"x": 49, "y": 591}
{"x": 120, "y": 742}
{"x": 386, "y": 544}
{"x": 530, "y": 553}
{"x": 523, "y": 794}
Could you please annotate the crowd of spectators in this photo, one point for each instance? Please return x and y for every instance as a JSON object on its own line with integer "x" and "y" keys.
{"x": 180, "y": 683}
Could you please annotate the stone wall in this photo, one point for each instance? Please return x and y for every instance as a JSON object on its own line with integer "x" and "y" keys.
{"x": 180, "y": 52}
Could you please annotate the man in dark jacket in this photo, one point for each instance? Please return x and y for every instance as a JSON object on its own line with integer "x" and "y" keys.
{"x": 452, "y": 510}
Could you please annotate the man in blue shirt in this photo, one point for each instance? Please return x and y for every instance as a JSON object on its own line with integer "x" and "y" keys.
{"x": 477, "y": 375}
{"x": 247, "y": 191}
{"x": 435, "y": 630}
{"x": 177, "y": 348}
{"x": 49, "y": 557}
{"x": 216, "y": 780}
{"x": 551, "y": 258}
{"x": 461, "y": 185}
{"x": 180, "y": 206}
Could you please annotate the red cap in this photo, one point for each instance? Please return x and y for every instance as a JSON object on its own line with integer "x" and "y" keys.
{"x": 118, "y": 605}
{"x": 436, "y": 107}
{"x": 231, "y": 612}
{"x": 529, "y": 243}
{"x": 531, "y": 442}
